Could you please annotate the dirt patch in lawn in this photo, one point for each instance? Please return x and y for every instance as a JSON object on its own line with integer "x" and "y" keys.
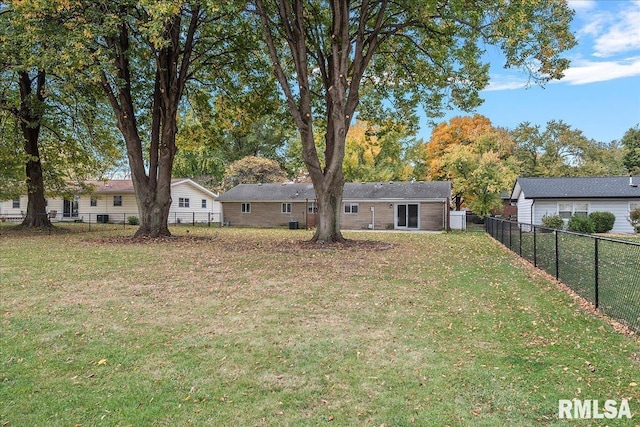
{"x": 243, "y": 245}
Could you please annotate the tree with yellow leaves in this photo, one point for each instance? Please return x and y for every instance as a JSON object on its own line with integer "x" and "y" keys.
{"x": 476, "y": 158}
{"x": 373, "y": 153}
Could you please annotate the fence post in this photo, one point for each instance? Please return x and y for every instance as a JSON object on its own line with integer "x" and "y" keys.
{"x": 520, "y": 239}
{"x": 557, "y": 256}
{"x": 597, "y": 271}
{"x": 510, "y": 236}
{"x": 193, "y": 218}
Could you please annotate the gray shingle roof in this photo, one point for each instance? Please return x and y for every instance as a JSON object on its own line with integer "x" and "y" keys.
{"x": 613, "y": 187}
{"x": 352, "y": 191}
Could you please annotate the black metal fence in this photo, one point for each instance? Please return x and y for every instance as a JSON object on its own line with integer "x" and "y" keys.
{"x": 93, "y": 221}
{"x": 604, "y": 271}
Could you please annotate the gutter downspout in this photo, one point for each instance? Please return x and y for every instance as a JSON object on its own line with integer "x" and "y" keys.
{"x": 373, "y": 218}
{"x": 531, "y": 213}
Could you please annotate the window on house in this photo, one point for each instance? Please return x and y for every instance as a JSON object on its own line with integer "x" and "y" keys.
{"x": 117, "y": 200}
{"x": 203, "y": 205}
{"x": 183, "y": 202}
{"x": 286, "y": 208}
{"x": 16, "y": 203}
{"x": 94, "y": 201}
{"x": 581, "y": 209}
{"x": 245, "y": 208}
{"x": 312, "y": 208}
{"x": 564, "y": 210}
{"x": 351, "y": 208}
{"x": 567, "y": 210}
{"x": 633, "y": 206}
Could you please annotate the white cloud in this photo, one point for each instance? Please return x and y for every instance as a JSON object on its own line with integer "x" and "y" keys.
{"x": 609, "y": 46}
{"x": 582, "y": 5}
{"x": 501, "y": 82}
{"x": 613, "y": 27}
{"x": 599, "y": 71}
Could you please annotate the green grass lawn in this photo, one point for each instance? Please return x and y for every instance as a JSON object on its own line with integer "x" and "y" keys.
{"x": 245, "y": 327}
{"x": 618, "y": 268}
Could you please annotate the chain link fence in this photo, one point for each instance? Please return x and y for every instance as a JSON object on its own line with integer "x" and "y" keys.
{"x": 96, "y": 222}
{"x": 604, "y": 271}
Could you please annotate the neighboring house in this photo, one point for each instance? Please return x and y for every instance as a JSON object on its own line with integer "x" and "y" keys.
{"x": 508, "y": 209}
{"x": 367, "y": 205}
{"x": 537, "y": 197}
{"x": 114, "y": 201}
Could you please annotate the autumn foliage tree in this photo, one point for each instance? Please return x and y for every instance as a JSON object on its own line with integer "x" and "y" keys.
{"x": 458, "y": 131}
{"x": 252, "y": 170}
{"x": 475, "y": 157}
{"x": 373, "y": 153}
{"x": 480, "y": 171}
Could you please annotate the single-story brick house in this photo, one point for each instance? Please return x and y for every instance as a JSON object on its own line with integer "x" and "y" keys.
{"x": 114, "y": 201}
{"x": 537, "y": 197}
{"x": 367, "y": 205}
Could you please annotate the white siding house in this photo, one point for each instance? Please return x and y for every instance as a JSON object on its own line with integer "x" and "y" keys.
{"x": 537, "y": 197}
{"x": 114, "y": 201}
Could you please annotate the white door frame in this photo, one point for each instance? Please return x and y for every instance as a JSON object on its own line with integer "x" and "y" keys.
{"x": 406, "y": 223}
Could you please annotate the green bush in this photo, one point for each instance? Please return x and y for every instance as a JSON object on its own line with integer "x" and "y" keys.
{"x": 580, "y": 224}
{"x": 553, "y": 221}
{"x": 133, "y": 220}
{"x": 634, "y": 218}
{"x": 602, "y": 221}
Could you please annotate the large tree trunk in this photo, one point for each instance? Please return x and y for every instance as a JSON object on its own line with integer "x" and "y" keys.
{"x": 36, "y": 215}
{"x": 30, "y": 116}
{"x": 341, "y": 76}
{"x": 153, "y": 191}
{"x": 329, "y": 197}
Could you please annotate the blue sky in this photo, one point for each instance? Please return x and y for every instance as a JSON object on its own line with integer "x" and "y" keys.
{"x": 600, "y": 93}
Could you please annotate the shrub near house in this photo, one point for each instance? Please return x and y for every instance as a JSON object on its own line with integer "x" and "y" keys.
{"x": 553, "y": 221}
{"x": 634, "y": 219}
{"x": 602, "y": 221}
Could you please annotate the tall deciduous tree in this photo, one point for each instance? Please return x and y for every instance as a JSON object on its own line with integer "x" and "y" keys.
{"x": 252, "y": 170}
{"x": 458, "y": 131}
{"x": 631, "y": 143}
{"x": 373, "y": 153}
{"x": 480, "y": 171}
{"x": 59, "y": 125}
{"x": 143, "y": 55}
{"x": 326, "y": 54}
{"x": 560, "y": 150}
{"x": 26, "y": 106}
{"x": 463, "y": 151}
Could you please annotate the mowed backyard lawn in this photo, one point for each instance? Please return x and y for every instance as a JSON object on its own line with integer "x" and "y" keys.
{"x": 243, "y": 327}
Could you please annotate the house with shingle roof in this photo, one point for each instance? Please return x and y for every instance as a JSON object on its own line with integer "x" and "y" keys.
{"x": 367, "y": 205}
{"x": 537, "y": 197}
{"x": 114, "y": 201}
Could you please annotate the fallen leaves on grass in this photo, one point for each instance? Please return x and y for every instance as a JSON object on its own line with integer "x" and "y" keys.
{"x": 249, "y": 244}
{"x": 120, "y": 240}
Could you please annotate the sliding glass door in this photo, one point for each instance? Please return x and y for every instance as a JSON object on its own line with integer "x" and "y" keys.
{"x": 408, "y": 215}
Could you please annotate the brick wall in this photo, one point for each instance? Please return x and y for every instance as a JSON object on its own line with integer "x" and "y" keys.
{"x": 264, "y": 214}
{"x": 270, "y": 215}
